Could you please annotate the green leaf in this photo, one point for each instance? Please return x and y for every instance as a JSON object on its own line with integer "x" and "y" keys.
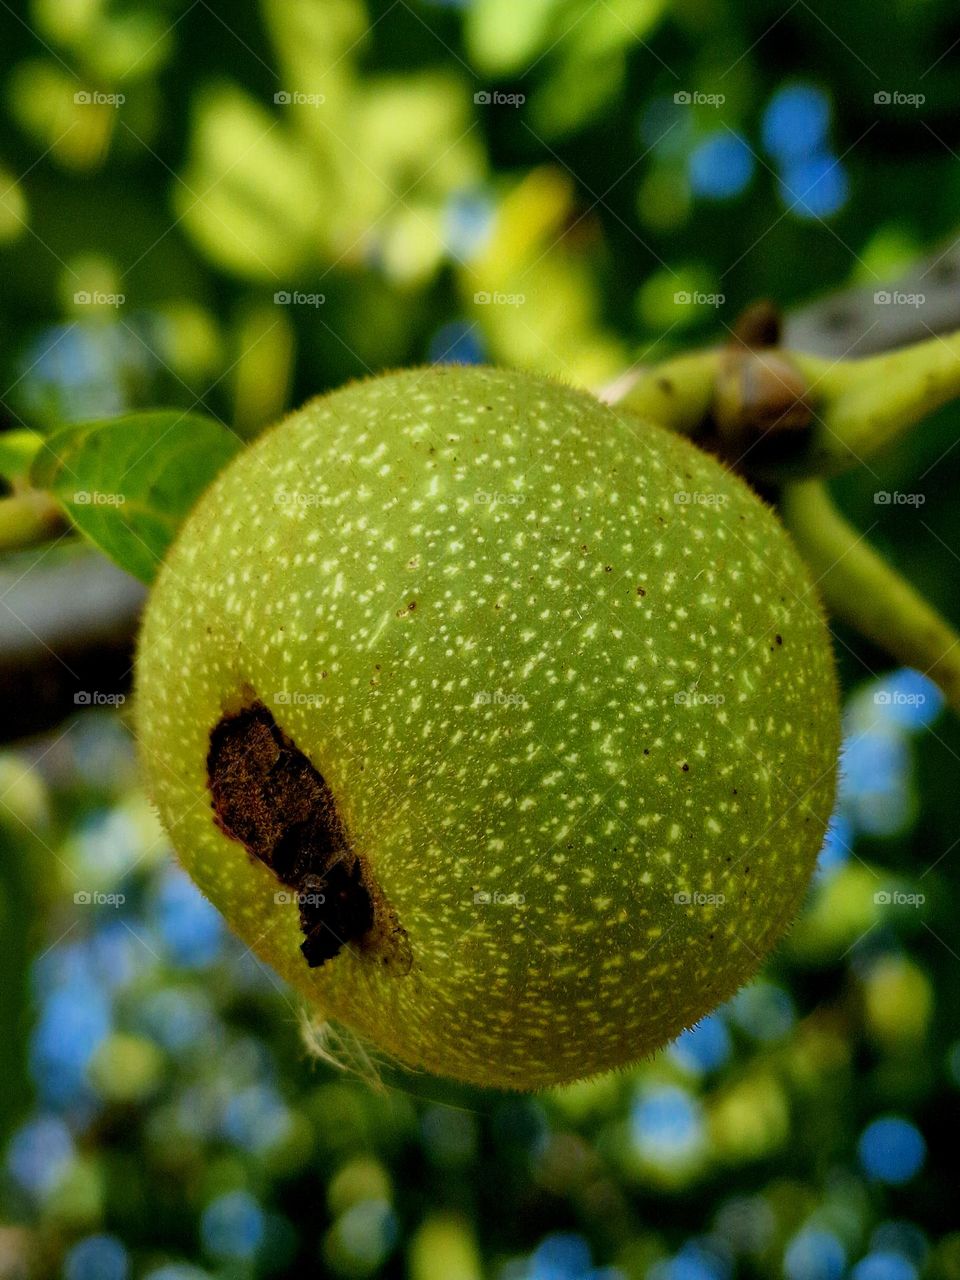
{"x": 17, "y": 451}
{"x": 127, "y": 483}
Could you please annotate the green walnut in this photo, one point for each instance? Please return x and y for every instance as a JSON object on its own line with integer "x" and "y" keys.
{"x": 501, "y": 723}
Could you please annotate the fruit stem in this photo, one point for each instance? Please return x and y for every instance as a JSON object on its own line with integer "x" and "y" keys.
{"x": 858, "y": 407}
{"x": 863, "y": 405}
{"x": 862, "y": 590}
{"x": 677, "y": 394}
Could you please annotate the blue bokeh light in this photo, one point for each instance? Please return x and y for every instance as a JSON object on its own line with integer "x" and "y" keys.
{"x": 97, "y": 1258}
{"x": 256, "y": 1118}
{"x": 814, "y": 186}
{"x": 74, "y": 1021}
{"x": 39, "y": 1154}
{"x": 721, "y": 166}
{"x": 704, "y": 1047}
{"x": 814, "y": 1255}
{"x": 892, "y": 1150}
{"x": 178, "y": 1018}
{"x": 467, "y": 221}
{"x": 697, "y": 1260}
{"x": 458, "y": 342}
{"x": 666, "y": 1124}
{"x": 884, "y": 1265}
{"x": 907, "y": 700}
{"x": 764, "y": 1011}
{"x": 107, "y": 839}
{"x": 190, "y": 927}
{"x": 796, "y": 122}
{"x": 837, "y": 845}
{"x": 368, "y": 1231}
{"x": 874, "y": 780}
{"x": 561, "y": 1256}
{"x": 232, "y": 1226}
{"x": 81, "y": 371}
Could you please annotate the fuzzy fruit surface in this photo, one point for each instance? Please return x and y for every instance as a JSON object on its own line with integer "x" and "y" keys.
{"x": 501, "y": 723}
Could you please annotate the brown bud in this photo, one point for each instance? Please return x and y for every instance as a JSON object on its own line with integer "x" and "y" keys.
{"x": 760, "y": 398}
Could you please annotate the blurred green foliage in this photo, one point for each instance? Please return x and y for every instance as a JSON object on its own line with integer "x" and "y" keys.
{"x": 232, "y": 210}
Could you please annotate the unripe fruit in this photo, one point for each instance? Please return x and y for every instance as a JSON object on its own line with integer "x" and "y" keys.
{"x": 499, "y": 722}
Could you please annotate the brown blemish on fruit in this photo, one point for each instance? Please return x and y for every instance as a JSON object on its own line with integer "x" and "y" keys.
{"x": 268, "y": 796}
